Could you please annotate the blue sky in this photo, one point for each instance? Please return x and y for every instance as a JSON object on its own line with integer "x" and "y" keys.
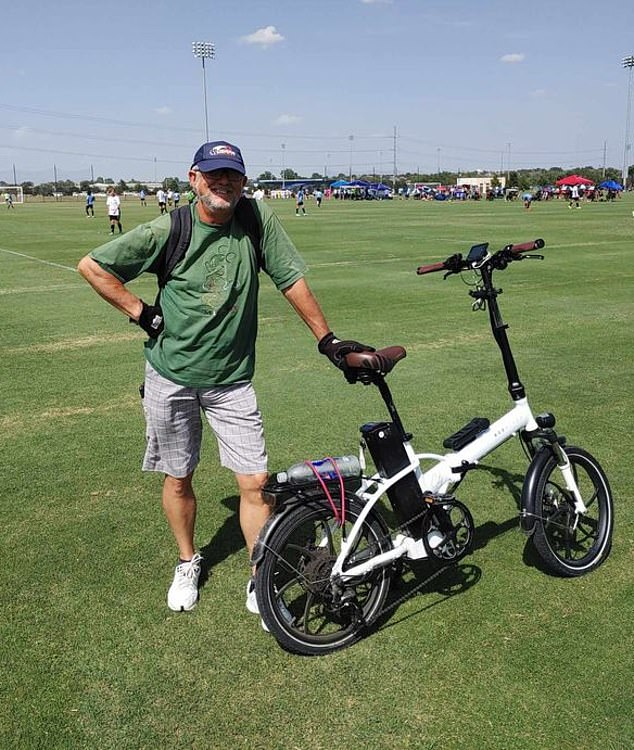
{"x": 113, "y": 90}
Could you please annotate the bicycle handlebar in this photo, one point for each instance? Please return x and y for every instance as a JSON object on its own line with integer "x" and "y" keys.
{"x": 456, "y": 263}
{"x": 524, "y": 247}
{"x": 431, "y": 268}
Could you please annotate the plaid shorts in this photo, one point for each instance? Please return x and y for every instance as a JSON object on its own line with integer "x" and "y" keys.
{"x": 174, "y": 426}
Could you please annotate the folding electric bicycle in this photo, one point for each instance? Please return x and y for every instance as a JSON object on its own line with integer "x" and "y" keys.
{"x": 326, "y": 557}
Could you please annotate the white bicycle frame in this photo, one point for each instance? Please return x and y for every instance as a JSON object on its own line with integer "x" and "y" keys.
{"x": 439, "y": 479}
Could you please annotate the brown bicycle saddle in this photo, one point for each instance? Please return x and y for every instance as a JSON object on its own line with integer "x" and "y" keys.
{"x": 382, "y": 360}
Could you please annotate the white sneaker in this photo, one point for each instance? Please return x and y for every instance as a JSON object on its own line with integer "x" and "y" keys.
{"x": 183, "y": 593}
{"x": 252, "y": 605}
{"x": 252, "y": 602}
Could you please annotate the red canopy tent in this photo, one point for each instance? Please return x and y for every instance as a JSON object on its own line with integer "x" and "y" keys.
{"x": 574, "y": 179}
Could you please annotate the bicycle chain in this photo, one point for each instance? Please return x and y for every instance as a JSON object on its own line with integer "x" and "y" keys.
{"x": 416, "y": 588}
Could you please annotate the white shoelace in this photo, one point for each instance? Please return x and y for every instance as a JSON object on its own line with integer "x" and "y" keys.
{"x": 191, "y": 568}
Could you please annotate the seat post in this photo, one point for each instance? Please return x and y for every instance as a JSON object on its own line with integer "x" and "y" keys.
{"x": 386, "y": 395}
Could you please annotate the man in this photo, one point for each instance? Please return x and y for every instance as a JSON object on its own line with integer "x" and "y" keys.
{"x": 299, "y": 203}
{"x": 113, "y": 206}
{"x": 200, "y": 354}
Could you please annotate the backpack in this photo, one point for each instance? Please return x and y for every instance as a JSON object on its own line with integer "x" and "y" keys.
{"x": 181, "y": 234}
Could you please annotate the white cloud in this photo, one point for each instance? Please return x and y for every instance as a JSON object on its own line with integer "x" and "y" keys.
{"x": 287, "y": 120}
{"x": 264, "y": 37}
{"x": 164, "y": 110}
{"x": 538, "y": 92}
{"x": 22, "y": 132}
{"x": 515, "y": 57}
{"x": 377, "y": 2}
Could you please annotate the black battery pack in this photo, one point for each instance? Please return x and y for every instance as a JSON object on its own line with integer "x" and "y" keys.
{"x": 388, "y": 453}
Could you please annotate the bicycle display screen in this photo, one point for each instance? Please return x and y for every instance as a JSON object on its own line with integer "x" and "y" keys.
{"x": 478, "y": 253}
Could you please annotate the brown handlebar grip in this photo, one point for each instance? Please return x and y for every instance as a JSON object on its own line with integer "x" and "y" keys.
{"x": 430, "y": 268}
{"x": 524, "y": 247}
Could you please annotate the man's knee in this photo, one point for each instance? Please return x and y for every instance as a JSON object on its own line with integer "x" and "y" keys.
{"x": 251, "y": 486}
{"x": 178, "y": 486}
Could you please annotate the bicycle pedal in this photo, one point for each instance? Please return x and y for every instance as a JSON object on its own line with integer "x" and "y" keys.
{"x": 466, "y": 434}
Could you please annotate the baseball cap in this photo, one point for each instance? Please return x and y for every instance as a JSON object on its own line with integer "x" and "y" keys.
{"x": 218, "y": 155}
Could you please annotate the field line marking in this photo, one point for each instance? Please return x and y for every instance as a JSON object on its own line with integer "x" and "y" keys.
{"x": 39, "y": 260}
{"x": 72, "y": 344}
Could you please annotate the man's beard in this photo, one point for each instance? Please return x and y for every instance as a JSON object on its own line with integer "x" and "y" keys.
{"x": 214, "y": 203}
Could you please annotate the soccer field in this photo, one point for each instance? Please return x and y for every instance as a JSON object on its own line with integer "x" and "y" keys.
{"x": 495, "y": 655}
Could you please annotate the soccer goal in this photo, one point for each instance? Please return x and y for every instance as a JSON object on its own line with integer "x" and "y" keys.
{"x": 15, "y": 191}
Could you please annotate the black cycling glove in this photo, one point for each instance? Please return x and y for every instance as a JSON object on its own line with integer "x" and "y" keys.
{"x": 150, "y": 320}
{"x": 336, "y": 350}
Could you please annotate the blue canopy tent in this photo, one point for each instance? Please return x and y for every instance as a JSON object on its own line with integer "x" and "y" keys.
{"x": 340, "y": 183}
{"x": 610, "y": 185}
{"x": 379, "y": 191}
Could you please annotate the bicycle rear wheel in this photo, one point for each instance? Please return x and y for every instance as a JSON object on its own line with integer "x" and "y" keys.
{"x": 303, "y": 609}
{"x": 571, "y": 544}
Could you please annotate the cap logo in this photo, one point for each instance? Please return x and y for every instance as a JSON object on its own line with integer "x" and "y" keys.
{"x": 222, "y": 150}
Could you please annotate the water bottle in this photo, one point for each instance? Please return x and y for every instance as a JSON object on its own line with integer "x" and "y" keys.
{"x": 302, "y": 473}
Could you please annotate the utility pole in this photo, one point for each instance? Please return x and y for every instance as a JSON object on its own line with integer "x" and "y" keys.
{"x": 394, "y": 158}
{"x": 283, "y": 166}
{"x": 351, "y": 139}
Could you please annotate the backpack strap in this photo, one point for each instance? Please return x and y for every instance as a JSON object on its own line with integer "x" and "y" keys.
{"x": 249, "y": 219}
{"x": 177, "y": 243}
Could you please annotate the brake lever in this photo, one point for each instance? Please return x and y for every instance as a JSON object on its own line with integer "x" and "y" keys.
{"x": 453, "y": 264}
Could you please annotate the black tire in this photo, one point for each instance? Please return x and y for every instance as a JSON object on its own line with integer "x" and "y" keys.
{"x": 297, "y": 601}
{"x": 569, "y": 545}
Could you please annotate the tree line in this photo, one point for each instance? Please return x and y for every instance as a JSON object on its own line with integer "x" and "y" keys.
{"x": 524, "y": 179}
{"x": 69, "y": 187}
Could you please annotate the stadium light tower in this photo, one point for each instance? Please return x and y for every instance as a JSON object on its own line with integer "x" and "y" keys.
{"x": 628, "y": 62}
{"x": 206, "y": 51}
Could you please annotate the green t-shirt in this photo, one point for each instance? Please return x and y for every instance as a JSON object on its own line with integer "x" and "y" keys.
{"x": 210, "y": 301}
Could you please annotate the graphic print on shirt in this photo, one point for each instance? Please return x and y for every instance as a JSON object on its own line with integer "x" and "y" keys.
{"x": 220, "y": 270}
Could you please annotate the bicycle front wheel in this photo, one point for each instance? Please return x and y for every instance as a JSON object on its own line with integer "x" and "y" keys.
{"x": 304, "y": 610}
{"x": 571, "y": 544}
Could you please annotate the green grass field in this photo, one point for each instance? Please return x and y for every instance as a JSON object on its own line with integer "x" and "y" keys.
{"x": 498, "y": 655}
